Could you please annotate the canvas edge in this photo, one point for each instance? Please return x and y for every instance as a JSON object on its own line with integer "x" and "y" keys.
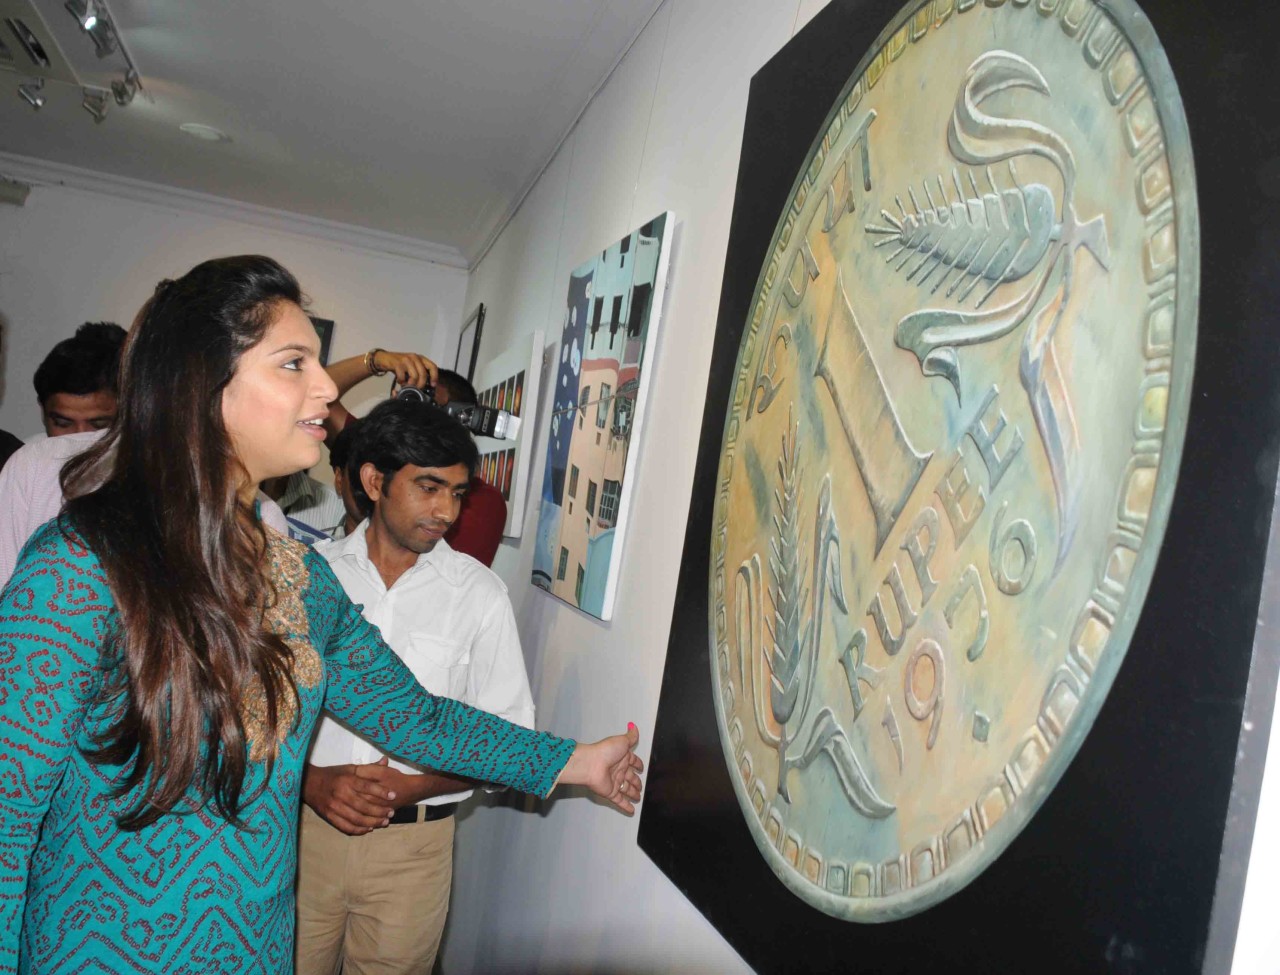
{"x": 529, "y": 428}
{"x": 660, "y": 275}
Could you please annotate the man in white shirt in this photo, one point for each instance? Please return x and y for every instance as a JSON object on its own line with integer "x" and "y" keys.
{"x": 31, "y": 493}
{"x": 376, "y": 844}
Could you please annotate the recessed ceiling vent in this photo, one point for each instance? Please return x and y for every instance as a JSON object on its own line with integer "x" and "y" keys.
{"x": 28, "y": 47}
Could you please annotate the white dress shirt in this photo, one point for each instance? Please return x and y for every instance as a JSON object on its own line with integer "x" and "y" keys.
{"x": 31, "y": 494}
{"x": 449, "y": 619}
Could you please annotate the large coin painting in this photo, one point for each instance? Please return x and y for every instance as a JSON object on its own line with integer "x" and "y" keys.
{"x": 957, "y": 417}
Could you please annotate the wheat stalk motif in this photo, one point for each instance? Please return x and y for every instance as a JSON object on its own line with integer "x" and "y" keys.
{"x": 795, "y": 634}
{"x": 787, "y": 594}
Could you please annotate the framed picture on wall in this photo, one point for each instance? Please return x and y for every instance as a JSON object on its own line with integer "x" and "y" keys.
{"x": 469, "y": 343}
{"x": 510, "y": 381}
{"x": 612, "y": 311}
{"x": 324, "y": 328}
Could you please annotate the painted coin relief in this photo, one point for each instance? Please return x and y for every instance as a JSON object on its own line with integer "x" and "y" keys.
{"x": 957, "y": 418}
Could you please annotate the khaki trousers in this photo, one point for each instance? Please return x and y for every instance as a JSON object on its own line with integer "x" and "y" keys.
{"x": 374, "y": 904}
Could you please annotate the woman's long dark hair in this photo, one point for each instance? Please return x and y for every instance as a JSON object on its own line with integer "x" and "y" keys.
{"x": 158, "y": 501}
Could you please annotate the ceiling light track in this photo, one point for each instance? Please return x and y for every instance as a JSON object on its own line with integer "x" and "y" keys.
{"x": 95, "y": 20}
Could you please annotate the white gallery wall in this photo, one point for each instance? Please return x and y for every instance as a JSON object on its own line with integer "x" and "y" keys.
{"x": 568, "y": 890}
{"x": 75, "y": 255}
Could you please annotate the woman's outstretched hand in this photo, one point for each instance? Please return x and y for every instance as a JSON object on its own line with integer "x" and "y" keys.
{"x": 610, "y": 768}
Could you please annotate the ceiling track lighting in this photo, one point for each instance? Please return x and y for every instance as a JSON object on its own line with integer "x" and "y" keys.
{"x": 96, "y": 102}
{"x": 30, "y": 93}
{"x": 94, "y": 18}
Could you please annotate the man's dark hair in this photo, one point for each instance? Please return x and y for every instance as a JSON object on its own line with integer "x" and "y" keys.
{"x": 460, "y": 391}
{"x": 398, "y": 432}
{"x": 86, "y": 363}
{"x": 340, "y": 449}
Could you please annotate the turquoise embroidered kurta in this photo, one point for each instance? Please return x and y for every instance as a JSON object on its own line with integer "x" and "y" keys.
{"x": 191, "y": 893}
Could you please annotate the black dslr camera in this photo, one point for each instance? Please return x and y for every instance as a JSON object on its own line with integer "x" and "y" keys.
{"x": 482, "y": 421}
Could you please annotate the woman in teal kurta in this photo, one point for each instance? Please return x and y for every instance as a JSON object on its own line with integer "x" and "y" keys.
{"x": 193, "y": 890}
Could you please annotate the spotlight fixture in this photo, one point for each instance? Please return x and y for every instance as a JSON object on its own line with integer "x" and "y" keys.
{"x": 95, "y": 103}
{"x": 30, "y": 93}
{"x": 125, "y": 90}
{"x": 95, "y": 20}
{"x": 29, "y": 43}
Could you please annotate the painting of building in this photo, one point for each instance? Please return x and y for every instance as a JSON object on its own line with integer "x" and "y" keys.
{"x": 611, "y": 316}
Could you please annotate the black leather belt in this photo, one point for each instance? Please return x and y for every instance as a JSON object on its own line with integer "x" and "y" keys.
{"x": 423, "y": 814}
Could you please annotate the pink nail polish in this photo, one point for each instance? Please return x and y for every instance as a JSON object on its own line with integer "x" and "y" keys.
{"x": 631, "y": 726}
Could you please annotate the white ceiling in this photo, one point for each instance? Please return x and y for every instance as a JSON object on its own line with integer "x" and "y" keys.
{"x": 421, "y": 118}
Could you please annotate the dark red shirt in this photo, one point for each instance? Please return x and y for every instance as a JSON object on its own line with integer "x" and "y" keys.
{"x": 478, "y": 530}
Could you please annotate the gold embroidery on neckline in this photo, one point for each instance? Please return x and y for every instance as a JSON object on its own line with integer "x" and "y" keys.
{"x": 287, "y": 618}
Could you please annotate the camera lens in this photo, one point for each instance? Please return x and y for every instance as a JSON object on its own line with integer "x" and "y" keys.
{"x": 413, "y": 394}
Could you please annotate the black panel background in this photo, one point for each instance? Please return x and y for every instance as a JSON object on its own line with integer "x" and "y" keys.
{"x": 1116, "y": 872}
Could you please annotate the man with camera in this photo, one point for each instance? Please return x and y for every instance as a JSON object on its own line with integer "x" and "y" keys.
{"x": 376, "y": 842}
{"x": 478, "y": 529}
